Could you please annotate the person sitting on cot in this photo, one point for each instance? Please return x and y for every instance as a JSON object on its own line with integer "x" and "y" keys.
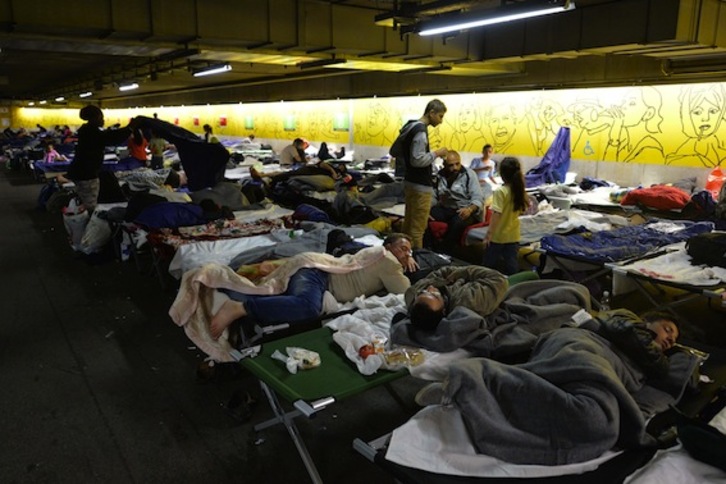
{"x": 303, "y": 297}
{"x": 457, "y": 199}
{"x": 51, "y": 155}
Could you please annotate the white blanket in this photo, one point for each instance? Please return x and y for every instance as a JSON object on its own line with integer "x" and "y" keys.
{"x": 436, "y": 440}
{"x": 674, "y": 266}
{"x": 222, "y": 251}
{"x": 676, "y": 465}
{"x": 373, "y": 320}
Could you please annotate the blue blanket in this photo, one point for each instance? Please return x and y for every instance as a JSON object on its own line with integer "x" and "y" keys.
{"x": 622, "y": 243}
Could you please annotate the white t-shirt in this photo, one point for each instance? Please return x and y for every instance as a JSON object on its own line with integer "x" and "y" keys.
{"x": 489, "y": 164}
{"x": 287, "y": 156}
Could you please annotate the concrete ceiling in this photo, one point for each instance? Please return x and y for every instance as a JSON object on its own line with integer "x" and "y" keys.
{"x": 277, "y": 48}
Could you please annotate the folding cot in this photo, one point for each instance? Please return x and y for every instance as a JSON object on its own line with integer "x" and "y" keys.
{"x": 658, "y": 297}
{"x": 309, "y": 391}
{"x": 176, "y": 254}
{"x": 671, "y": 269}
{"x": 597, "y": 253}
{"x": 614, "y": 468}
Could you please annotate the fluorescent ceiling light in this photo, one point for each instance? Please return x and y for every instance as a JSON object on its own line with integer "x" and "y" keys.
{"x": 320, "y": 63}
{"x": 366, "y": 65}
{"x": 43, "y": 102}
{"x": 213, "y": 70}
{"x": 31, "y": 103}
{"x": 128, "y": 87}
{"x": 498, "y": 16}
{"x": 59, "y": 99}
{"x": 85, "y": 94}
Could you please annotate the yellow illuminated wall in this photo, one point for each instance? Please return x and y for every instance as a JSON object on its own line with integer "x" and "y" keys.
{"x": 679, "y": 125}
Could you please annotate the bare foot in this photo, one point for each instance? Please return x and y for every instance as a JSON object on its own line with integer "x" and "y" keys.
{"x": 227, "y": 314}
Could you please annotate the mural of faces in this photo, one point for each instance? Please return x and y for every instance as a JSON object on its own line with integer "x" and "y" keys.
{"x": 705, "y": 111}
{"x": 502, "y": 125}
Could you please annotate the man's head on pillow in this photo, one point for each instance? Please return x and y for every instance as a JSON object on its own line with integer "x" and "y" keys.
{"x": 664, "y": 326}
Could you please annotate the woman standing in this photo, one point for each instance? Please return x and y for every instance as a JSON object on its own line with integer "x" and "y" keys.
{"x": 88, "y": 159}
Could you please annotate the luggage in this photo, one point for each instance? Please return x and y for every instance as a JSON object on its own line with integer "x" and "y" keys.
{"x": 708, "y": 248}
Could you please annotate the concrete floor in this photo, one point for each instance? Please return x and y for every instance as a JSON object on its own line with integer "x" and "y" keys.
{"x": 100, "y": 385}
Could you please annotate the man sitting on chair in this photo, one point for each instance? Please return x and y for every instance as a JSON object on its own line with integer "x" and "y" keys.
{"x": 458, "y": 199}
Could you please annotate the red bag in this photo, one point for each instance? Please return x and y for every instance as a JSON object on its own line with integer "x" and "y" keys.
{"x": 715, "y": 181}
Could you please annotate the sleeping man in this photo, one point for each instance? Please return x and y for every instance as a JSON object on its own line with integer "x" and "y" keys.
{"x": 212, "y": 297}
{"x": 582, "y": 391}
{"x": 478, "y": 288}
{"x": 472, "y": 308}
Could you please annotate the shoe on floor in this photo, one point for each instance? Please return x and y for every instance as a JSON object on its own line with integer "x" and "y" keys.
{"x": 432, "y": 394}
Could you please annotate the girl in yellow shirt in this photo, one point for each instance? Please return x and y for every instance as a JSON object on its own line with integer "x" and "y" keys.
{"x": 509, "y": 201}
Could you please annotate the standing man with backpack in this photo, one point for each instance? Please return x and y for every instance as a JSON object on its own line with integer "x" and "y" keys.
{"x": 412, "y": 147}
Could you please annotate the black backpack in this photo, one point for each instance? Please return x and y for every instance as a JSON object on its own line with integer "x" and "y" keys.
{"x": 708, "y": 248}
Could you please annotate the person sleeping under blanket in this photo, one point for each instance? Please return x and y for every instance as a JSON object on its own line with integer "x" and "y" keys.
{"x": 582, "y": 392}
{"x": 213, "y": 296}
{"x": 472, "y": 308}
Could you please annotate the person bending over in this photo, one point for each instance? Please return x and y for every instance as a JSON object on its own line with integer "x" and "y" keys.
{"x": 293, "y": 154}
{"x": 303, "y": 298}
{"x": 418, "y": 158}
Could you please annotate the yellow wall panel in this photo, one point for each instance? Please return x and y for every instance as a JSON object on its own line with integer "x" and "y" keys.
{"x": 679, "y": 125}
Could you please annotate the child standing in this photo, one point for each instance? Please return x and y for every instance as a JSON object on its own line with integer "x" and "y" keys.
{"x": 509, "y": 201}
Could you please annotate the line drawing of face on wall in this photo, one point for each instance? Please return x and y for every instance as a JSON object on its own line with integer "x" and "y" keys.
{"x": 467, "y": 131}
{"x": 502, "y": 125}
{"x": 636, "y": 109}
{"x": 378, "y": 119}
{"x": 704, "y": 109}
{"x": 543, "y": 122}
{"x": 468, "y": 118}
{"x": 631, "y": 120}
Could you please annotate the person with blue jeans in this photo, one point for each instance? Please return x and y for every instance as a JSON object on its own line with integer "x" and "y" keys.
{"x": 303, "y": 298}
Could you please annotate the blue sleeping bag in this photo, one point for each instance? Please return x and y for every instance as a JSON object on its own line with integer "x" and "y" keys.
{"x": 622, "y": 243}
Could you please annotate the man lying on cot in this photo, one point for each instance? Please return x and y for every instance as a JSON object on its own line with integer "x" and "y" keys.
{"x": 581, "y": 392}
{"x": 473, "y": 307}
{"x": 212, "y": 297}
{"x": 478, "y": 288}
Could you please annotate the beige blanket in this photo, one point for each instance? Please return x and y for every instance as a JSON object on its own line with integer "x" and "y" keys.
{"x": 198, "y": 300}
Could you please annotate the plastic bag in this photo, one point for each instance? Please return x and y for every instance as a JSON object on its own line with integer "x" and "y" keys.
{"x": 75, "y": 220}
{"x": 297, "y": 359}
{"x": 96, "y": 235}
{"x": 714, "y": 181}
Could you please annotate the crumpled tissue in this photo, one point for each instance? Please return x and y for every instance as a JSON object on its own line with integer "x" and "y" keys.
{"x": 297, "y": 359}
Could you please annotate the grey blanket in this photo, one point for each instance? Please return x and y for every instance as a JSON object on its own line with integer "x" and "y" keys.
{"x": 528, "y": 310}
{"x": 574, "y": 399}
{"x": 314, "y": 239}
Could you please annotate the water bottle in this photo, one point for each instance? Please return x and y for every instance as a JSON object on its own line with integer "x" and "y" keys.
{"x": 605, "y": 301}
